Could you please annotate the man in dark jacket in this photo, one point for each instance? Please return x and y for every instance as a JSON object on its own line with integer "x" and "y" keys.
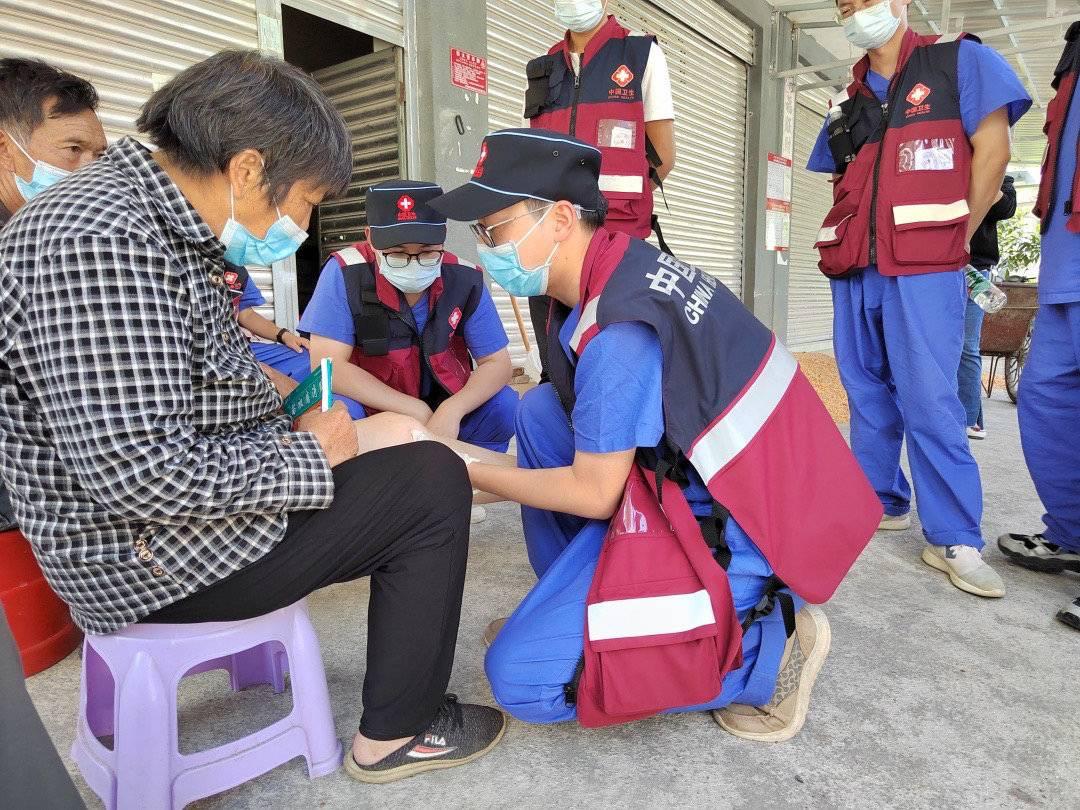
{"x": 984, "y": 258}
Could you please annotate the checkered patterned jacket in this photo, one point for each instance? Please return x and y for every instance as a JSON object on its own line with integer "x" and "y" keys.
{"x": 146, "y": 452}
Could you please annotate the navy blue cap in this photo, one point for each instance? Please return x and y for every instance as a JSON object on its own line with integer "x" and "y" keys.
{"x": 526, "y": 164}
{"x": 399, "y": 213}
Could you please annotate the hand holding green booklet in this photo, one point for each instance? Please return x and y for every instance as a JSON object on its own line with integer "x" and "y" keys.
{"x": 315, "y": 390}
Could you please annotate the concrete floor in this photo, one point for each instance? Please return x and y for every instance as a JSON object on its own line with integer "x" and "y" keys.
{"x": 930, "y": 697}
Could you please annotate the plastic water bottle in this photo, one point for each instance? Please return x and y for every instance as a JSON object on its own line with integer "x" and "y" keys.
{"x": 987, "y": 296}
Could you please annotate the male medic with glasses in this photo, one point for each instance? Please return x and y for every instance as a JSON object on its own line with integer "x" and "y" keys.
{"x": 406, "y": 322}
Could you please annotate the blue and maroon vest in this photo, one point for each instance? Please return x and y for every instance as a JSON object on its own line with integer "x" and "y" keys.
{"x": 905, "y": 168}
{"x": 739, "y": 410}
{"x": 1054, "y": 190}
{"x": 386, "y": 342}
{"x": 603, "y": 106}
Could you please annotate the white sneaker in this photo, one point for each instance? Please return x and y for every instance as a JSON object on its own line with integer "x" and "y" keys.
{"x": 966, "y": 569}
{"x": 479, "y": 515}
{"x": 895, "y": 523}
{"x": 976, "y": 432}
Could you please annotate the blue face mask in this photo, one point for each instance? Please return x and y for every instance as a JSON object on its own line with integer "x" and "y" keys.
{"x": 412, "y": 278}
{"x": 503, "y": 263}
{"x": 282, "y": 240}
{"x": 579, "y": 15}
{"x": 45, "y": 175}
{"x": 872, "y": 27}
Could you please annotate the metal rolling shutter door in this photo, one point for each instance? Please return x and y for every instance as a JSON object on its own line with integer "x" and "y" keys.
{"x": 706, "y": 192}
{"x": 518, "y": 30}
{"x": 383, "y": 19}
{"x": 809, "y": 297}
{"x": 127, "y": 48}
{"x": 365, "y": 91}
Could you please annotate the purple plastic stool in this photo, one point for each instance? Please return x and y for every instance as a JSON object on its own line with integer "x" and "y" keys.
{"x": 128, "y": 692}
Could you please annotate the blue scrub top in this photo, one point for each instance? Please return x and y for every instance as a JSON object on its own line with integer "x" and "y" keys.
{"x": 618, "y": 382}
{"x": 1059, "y": 276}
{"x": 987, "y": 83}
{"x": 251, "y": 296}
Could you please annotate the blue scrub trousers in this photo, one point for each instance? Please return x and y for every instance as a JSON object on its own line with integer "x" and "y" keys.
{"x": 898, "y": 343}
{"x": 538, "y": 649}
{"x": 1049, "y": 412}
{"x": 969, "y": 378}
{"x": 281, "y": 358}
{"x": 490, "y": 426}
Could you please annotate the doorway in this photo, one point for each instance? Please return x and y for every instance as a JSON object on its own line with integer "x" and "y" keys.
{"x": 363, "y": 77}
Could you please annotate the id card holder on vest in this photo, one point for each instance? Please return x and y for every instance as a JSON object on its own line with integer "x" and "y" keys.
{"x": 927, "y": 155}
{"x": 612, "y": 133}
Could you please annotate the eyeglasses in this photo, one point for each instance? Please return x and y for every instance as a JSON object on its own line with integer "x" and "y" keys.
{"x": 485, "y": 233}
{"x": 425, "y": 258}
{"x": 852, "y": 9}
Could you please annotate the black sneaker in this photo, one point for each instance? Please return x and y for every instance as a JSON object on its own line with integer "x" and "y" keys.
{"x": 1037, "y": 553}
{"x": 459, "y": 734}
{"x": 1070, "y": 615}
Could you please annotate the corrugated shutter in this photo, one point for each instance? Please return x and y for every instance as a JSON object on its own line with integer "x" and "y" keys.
{"x": 125, "y": 47}
{"x": 809, "y": 298}
{"x": 517, "y": 31}
{"x": 366, "y": 92}
{"x": 706, "y": 192}
{"x": 709, "y": 82}
{"x": 383, "y": 19}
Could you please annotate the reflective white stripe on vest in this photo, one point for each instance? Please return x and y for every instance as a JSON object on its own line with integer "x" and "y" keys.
{"x": 351, "y": 256}
{"x": 930, "y": 212}
{"x": 588, "y": 320}
{"x": 728, "y": 437}
{"x": 650, "y": 616}
{"x": 622, "y": 183}
{"x": 827, "y": 234}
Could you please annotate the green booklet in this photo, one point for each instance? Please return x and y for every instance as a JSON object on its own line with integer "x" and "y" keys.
{"x": 315, "y": 390}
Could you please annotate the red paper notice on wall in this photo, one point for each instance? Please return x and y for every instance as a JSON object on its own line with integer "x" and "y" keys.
{"x": 468, "y": 71}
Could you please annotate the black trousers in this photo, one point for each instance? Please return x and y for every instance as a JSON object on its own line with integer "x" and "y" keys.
{"x": 400, "y": 516}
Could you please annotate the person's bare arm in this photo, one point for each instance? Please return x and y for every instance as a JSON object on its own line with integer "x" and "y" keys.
{"x": 590, "y": 488}
{"x": 267, "y": 329}
{"x": 353, "y": 382}
{"x": 662, "y": 136}
{"x": 990, "y": 159}
{"x": 491, "y": 375}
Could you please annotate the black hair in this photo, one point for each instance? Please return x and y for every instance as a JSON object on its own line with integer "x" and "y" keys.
{"x": 31, "y": 90}
{"x": 240, "y": 99}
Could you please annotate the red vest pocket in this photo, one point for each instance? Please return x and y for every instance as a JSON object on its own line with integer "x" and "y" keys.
{"x": 936, "y": 229}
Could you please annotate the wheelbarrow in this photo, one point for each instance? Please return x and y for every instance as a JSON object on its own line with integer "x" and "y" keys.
{"x": 1006, "y": 335}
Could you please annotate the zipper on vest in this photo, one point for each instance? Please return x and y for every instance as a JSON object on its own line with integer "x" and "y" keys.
{"x": 577, "y": 98}
{"x": 877, "y": 174}
{"x": 1054, "y": 169}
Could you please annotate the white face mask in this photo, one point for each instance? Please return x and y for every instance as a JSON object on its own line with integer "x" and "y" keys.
{"x": 872, "y": 27}
{"x": 579, "y": 15}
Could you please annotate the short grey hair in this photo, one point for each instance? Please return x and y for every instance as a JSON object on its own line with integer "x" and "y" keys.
{"x": 238, "y": 100}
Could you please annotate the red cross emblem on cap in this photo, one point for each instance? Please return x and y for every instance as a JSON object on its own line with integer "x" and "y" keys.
{"x": 918, "y": 94}
{"x": 479, "y": 170}
{"x": 406, "y": 203}
{"x": 623, "y": 76}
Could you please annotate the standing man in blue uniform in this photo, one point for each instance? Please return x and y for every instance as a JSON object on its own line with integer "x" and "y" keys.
{"x": 919, "y": 144}
{"x": 404, "y": 322}
{"x": 1049, "y": 401}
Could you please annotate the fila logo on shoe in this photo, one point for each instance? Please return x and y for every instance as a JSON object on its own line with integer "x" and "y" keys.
{"x": 433, "y": 746}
